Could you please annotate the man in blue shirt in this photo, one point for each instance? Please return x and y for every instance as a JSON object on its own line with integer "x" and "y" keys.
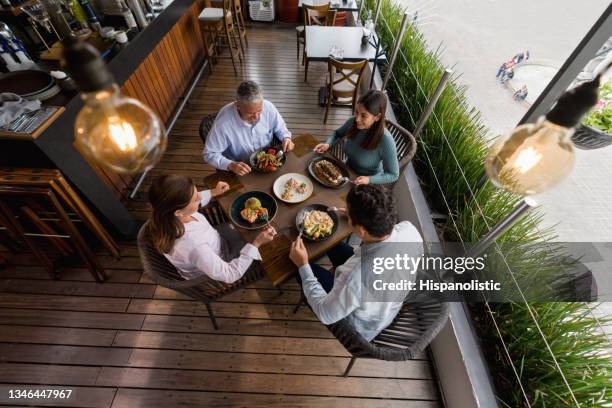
{"x": 244, "y": 127}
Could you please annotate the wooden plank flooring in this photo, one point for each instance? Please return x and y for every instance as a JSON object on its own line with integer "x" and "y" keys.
{"x": 127, "y": 343}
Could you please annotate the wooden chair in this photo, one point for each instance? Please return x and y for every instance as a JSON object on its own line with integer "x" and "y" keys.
{"x": 240, "y": 23}
{"x": 203, "y": 288}
{"x": 343, "y": 79}
{"x": 219, "y": 31}
{"x": 404, "y": 142}
{"x": 340, "y": 20}
{"x": 21, "y": 210}
{"x": 300, "y": 31}
{"x": 315, "y": 17}
{"x": 72, "y": 202}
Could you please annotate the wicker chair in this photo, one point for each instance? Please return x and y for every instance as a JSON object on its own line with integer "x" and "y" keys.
{"x": 404, "y": 141}
{"x": 415, "y": 326}
{"x": 206, "y": 125}
{"x": 204, "y": 289}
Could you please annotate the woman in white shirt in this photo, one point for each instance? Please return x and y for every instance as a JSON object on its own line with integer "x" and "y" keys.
{"x": 188, "y": 240}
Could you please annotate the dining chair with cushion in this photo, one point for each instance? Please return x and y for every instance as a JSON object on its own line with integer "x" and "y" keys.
{"x": 404, "y": 142}
{"x": 300, "y": 31}
{"x": 343, "y": 79}
{"x": 159, "y": 269}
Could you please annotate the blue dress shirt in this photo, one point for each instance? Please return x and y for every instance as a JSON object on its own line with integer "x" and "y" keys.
{"x": 233, "y": 139}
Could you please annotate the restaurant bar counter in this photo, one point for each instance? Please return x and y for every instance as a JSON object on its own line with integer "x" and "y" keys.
{"x": 157, "y": 68}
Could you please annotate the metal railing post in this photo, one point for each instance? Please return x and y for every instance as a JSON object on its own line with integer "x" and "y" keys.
{"x": 398, "y": 42}
{"x": 378, "y": 4}
{"x": 509, "y": 220}
{"x": 432, "y": 102}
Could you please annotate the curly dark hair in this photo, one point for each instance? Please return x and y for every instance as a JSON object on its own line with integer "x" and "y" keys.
{"x": 372, "y": 207}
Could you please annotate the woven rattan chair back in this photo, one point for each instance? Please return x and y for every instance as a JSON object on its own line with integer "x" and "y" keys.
{"x": 414, "y": 327}
{"x": 203, "y": 288}
{"x": 206, "y": 125}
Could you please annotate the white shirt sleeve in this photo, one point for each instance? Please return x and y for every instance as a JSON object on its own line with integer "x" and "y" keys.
{"x": 207, "y": 261}
{"x": 216, "y": 144}
{"x": 205, "y": 197}
{"x": 280, "y": 130}
{"x": 329, "y": 307}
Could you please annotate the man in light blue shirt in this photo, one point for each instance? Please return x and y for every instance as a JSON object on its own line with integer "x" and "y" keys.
{"x": 341, "y": 294}
{"x": 244, "y": 127}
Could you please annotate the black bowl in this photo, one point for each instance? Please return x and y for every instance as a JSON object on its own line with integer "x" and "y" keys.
{"x": 317, "y": 207}
{"x": 343, "y": 170}
{"x": 267, "y": 201}
{"x": 253, "y": 161}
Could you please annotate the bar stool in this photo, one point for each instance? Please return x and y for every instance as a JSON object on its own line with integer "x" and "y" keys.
{"x": 240, "y": 22}
{"x": 238, "y": 17}
{"x": 218, "y": 25}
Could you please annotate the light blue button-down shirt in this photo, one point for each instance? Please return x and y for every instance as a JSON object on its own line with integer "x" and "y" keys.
{"x": 233, "y": 139}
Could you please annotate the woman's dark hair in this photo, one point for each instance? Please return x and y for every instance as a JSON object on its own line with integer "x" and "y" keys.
{"x": 374, "y": 102}
{"x": 372, "y": 207}
{"x": 167, "y": 194}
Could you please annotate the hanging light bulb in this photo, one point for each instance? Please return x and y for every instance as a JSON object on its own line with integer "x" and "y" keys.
{"x": 535, "y": 157}
{"x": 115, "y": 131}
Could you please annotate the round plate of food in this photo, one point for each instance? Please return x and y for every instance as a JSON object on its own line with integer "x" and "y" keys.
{"x": 328, "y": 171}
{"x": 267, "y": 160}
{"x": 293, "y": 188}
{"x": 253, "y": 210}
{"x": 316, "y": 223}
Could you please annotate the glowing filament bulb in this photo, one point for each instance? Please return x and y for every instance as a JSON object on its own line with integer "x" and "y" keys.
{"x": 527, "y": 159}
{"x": 122, "y": 134}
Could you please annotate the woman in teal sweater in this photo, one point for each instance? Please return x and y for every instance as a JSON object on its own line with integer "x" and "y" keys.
{"x": 370, "y": 148}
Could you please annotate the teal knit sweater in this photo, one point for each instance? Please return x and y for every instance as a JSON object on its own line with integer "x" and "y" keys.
{"x": 380, "y": 164}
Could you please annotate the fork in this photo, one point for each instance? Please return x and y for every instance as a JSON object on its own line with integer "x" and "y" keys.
{"x": 267, "y": 220}
{"x": 301, "y": 225}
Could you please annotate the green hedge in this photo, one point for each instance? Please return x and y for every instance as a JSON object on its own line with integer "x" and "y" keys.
{"x": 451, "y": 150}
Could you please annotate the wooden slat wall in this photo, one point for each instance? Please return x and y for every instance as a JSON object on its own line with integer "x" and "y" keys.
{"x": 162, "y": 78}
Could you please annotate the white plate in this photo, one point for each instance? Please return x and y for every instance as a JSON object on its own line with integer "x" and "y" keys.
{"x": 279, "y": 187}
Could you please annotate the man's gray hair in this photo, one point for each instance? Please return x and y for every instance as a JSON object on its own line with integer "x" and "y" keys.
{"x": 249, "y": 92}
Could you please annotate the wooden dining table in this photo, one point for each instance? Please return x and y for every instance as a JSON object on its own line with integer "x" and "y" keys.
{"x": 275, "y": 255}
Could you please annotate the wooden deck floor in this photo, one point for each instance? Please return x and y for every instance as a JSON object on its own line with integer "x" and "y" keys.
{"x": 127, "y": 343}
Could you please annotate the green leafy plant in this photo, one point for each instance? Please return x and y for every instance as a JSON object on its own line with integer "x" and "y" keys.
{"x": 601, "y": 116}
{"x": 548, "y": 343}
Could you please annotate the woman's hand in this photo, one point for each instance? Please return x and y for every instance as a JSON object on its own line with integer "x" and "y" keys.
{"x": 321, "y": 148}
{"x": 220, "y": 188}
{"x": 341, "y": 210}
{"x": 265, "y": 236}
{"x": 361, "y": 180}
{"x": 298, "y": 253}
